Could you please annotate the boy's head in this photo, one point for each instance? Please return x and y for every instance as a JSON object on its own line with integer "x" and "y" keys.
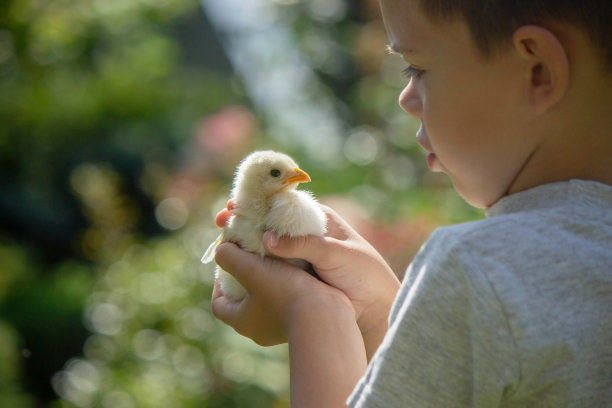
{"x": 506, "y": 92}
{"x": 492, "y": 22}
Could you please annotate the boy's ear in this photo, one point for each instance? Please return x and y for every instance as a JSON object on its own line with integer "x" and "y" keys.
{"x": 547, "y": 63}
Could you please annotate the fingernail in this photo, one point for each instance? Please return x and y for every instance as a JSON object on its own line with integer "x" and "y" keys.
{"x": 272, "y": 239}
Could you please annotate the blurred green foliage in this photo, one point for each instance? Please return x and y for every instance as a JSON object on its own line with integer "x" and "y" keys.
{"x": 122, "y": 123}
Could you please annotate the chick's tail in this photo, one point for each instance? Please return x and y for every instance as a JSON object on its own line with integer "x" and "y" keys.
{"x": 209, "y": 255}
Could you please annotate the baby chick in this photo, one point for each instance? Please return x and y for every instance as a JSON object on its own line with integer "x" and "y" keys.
{"x": 265, "y": 199}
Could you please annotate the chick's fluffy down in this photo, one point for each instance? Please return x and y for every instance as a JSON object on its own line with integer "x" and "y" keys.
{"x": 296, "y": 213}
{"x": 265, "y": 199}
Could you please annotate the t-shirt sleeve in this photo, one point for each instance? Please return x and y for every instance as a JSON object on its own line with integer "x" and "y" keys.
{"x": 448, "y": 344}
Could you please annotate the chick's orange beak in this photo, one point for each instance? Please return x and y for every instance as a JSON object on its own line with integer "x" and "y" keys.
{"x": 297, "y": 176}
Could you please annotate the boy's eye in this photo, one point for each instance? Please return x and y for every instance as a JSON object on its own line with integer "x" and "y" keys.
{"x": 412, "y": 72}
{"x": 275, "y": 173}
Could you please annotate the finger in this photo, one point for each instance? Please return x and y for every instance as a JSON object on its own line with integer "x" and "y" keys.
{"x": 241, "y": 264}
{"x": 224, "y": 308}
{"x": 222, "y": 217}
{"x": 321, "y": 251}
{"x": 309, "y": 247}
{"x": 337, "y": 227}
{"x": 216, "y": 290}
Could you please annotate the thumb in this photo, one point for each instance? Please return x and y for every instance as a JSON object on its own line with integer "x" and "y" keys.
{"x": 249, "y": 269}
{"x": 239, "y": 263}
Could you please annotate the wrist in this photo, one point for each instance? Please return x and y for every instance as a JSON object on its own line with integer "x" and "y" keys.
{"x": 373, "y": 334}
{"x": 326, "y": 304}
{"x": 373, "y": 321}
{"x": 326, "y": 350}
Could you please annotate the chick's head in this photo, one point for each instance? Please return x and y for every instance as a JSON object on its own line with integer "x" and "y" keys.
{"x": 265, "y": 173}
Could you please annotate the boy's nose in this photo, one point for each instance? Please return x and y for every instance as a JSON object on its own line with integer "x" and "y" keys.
{"x": 410, "y": 101}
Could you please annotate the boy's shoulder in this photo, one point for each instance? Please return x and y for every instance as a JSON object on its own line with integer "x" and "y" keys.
{"x": 526, "y": 291}
{"x": 547, "y": 215}
{"x": 561, "y": 230}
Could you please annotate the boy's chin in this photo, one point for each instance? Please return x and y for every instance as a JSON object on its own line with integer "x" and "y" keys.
{"x": 478, "y": 196}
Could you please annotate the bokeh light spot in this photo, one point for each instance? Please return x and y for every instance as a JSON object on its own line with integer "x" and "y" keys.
{"x": 106, "y": 318}
{"x": 172, "y": 213}
{"x": 361, "y": 147}
{"x": 238, "y": 367}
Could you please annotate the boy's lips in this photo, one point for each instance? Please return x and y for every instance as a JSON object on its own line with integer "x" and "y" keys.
{"x": 423, "y": 141}
{"x": 432, "y": 161}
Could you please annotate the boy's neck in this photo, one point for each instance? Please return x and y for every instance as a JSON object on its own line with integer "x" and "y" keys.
{"x": 578, "y": 137}
{"x": 575, "y": 136}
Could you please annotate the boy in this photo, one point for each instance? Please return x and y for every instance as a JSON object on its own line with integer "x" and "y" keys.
{"x": 512, "y": 311}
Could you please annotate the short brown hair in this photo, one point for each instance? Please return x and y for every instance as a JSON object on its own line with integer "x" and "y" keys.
{"x": 492, "y": 22}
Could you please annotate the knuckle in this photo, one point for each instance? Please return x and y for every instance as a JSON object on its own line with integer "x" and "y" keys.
{"x": 301, "y": 242}
{"x": 290, "y": 246}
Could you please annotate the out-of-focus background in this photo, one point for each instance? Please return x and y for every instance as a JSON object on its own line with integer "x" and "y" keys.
{"x": 121, "y": 123}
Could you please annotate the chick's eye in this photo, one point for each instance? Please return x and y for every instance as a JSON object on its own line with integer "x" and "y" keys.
{"x": 275, "y": 173}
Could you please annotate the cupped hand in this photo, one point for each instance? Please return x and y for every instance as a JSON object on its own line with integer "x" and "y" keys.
{"x": 345, "y": 260}
{"x": 279, "y": 294}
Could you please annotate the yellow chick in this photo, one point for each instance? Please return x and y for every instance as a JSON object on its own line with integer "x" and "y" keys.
{"x": 265, "y": 199}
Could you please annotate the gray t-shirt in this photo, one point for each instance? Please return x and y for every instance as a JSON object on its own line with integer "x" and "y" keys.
{"x": 514, "y": 310}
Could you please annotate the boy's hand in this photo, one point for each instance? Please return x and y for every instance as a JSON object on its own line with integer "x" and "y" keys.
{"x": 346, "y": 261}
{"x": 278, "y": 295}
{"x": 284, "y": 303}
